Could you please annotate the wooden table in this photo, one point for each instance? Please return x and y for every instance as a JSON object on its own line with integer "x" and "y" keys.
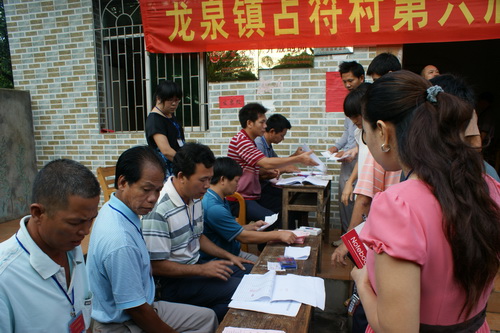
{"x": 308, "y": 198}
{"x": 298, "y": 324}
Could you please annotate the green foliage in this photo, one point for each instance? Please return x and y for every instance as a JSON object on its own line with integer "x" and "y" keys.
{"x": 6, "y": 78}
{"x": 229, "y": 66}
{"x": 296, "y": 61}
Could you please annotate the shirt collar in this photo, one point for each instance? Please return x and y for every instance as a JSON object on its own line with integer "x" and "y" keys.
{"x": 119, "y": 205}
{"x": 39, "y": 260}
{"x": 264, "y": 141}
{"x": 215, "y": 195}
{"x": 173, "y": 195}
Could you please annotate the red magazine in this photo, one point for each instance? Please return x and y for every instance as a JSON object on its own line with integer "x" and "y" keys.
{"x": 356, "y": 247}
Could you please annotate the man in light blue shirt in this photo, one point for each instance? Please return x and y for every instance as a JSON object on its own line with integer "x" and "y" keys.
{"x": 43, "y": 281}
{"x": 118, "y": 261}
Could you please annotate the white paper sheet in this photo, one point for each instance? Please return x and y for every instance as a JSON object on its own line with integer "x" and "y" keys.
{"x": 285, "y": 308}
{"x": 332, "y": 157}
{"x": 298, "y": 253}
{"x": 273, "y": 293}
{"x": 269, "y": 220}
{"x": 321, "y": 166}
{"x": 305, "y": 289}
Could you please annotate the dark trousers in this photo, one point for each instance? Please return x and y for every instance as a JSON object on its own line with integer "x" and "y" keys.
{"x": 211, "y": 293}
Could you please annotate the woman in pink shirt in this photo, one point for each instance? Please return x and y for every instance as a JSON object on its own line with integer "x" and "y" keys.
{"x": 434, "y": 238}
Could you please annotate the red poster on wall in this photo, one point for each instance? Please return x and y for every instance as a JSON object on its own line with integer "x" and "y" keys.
{"x": 226, "y": 102}
{"x": 335, "y": 92}
{"x": 177, "y": 26}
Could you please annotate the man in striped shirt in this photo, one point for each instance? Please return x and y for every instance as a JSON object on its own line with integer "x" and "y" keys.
{"x": 244, "y": 151}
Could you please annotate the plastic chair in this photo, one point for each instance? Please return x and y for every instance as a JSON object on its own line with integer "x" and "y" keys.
{"x": 242, "y": 214}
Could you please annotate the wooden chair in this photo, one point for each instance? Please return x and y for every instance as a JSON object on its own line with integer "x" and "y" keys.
{"x": 242, "y": 214}
{"x": 106, "y": 177}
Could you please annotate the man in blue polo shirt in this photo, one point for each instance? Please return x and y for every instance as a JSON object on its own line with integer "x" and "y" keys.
{"x": 118, "y": 260}
{"x": 43, "y": 281}
{"x": 220, "y": 226}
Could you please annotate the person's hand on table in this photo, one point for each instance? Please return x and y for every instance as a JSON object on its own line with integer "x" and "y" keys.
{"x": 287, "y": 237}
{"x": 339, "y": 256}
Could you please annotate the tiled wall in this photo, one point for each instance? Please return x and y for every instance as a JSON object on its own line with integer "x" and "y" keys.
{"x": 52, "y": 47}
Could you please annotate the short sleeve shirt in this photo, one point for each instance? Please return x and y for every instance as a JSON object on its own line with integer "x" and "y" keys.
{"x": 374, "y": 179}
{"x": 406, "y": 222}
{"x": 220, "y": 226}
{"x": 172, "y": 229}
{"x": 118, "y": 263}
{"x": 30, "y": 299}
{"x": 157, "y": 124}
{"x": 244, "y": 151}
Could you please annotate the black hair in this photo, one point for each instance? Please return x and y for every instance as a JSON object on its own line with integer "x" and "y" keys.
{"x": 383, "y": 64}
{"x": 277, "y": 122}
{"x": 251, "y": 112}
{"x": 351, "y": 66}
{"x": 167, "y": 90}
{"x": 61, "y": 178}
{"x": 191, "y": 154}
{"x": 352, "y": 102}
{"x": 452, "y": 169}
{"x": 225, "y": 167}
{"x": 131, "y": 162}
{"x": 455, "y": 85}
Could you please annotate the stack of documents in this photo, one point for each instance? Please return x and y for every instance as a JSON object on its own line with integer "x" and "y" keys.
{"x": 298, "y": 253}
{"x": 278, "y": 294}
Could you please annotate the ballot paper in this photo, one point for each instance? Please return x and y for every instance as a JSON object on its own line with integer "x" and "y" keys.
{"x": 278, "y": 294}
{"x": 269, "y": 220}
{"x": 332, "y": 157}
{"x": 321, "y": 166}
{"x": 298, "y": 253}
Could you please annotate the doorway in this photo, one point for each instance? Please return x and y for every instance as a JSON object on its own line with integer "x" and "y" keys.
{"x": 476, "y": 61}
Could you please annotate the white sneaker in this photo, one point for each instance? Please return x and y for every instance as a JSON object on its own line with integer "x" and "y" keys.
{"x": 337, "y": 243}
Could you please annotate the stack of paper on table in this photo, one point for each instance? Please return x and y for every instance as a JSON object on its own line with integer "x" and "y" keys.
{"x": 297, "y": 180}
{"x": 298, "y": 253}
{"x": 278, "y": 294}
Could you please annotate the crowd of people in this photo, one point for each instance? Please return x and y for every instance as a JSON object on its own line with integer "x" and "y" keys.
{"x": 165, "y": 250}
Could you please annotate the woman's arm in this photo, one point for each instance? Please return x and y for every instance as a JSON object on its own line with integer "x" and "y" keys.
{"x": 165, "y": 148}
{"x": 396, "y": 306}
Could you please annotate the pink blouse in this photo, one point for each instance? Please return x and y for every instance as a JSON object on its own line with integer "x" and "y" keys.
{"x": 406, "y": 223}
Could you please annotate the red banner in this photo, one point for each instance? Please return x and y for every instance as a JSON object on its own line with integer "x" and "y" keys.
{"x": 178, "y": 26}
{"x": 335, "y": 92}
